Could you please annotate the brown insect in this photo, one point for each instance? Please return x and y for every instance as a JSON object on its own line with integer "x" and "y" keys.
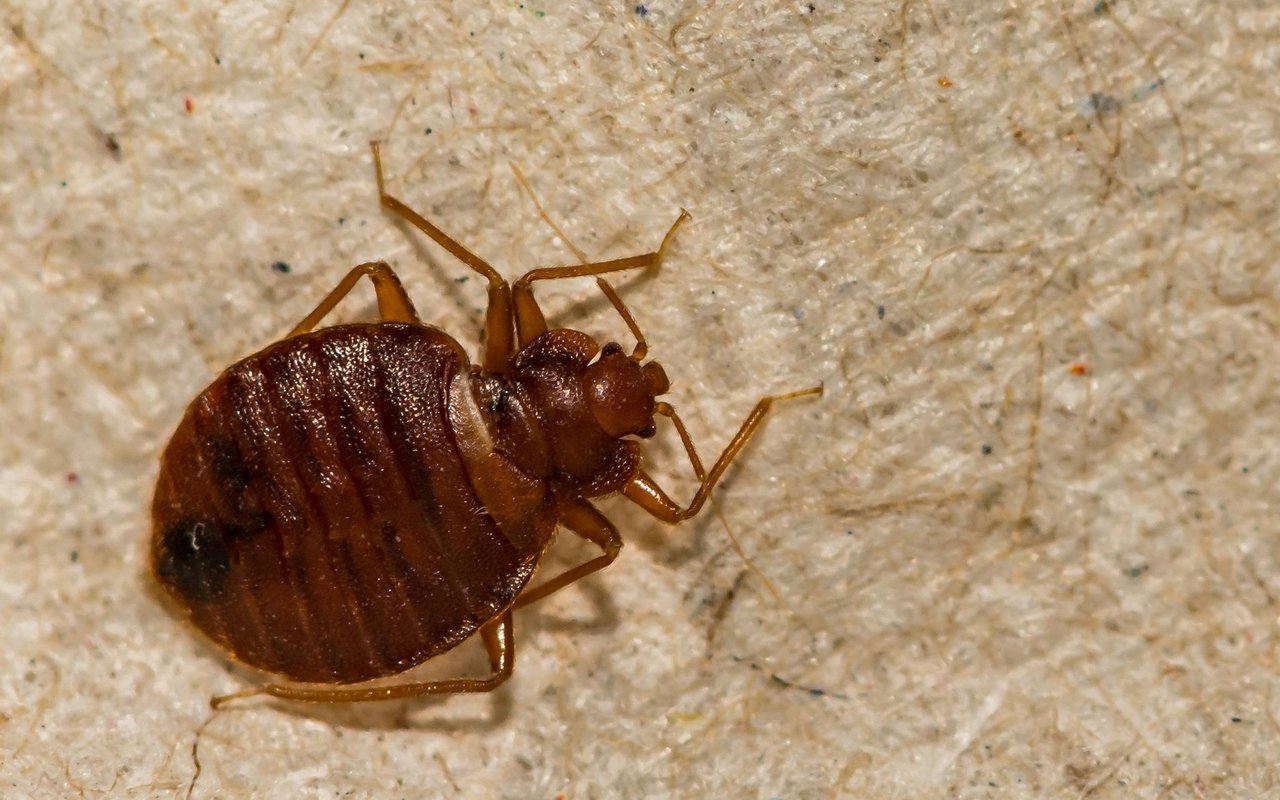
{"x": 351, "y": 501}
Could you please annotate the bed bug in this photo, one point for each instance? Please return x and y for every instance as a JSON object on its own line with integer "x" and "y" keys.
{"x": 352, "y": 500}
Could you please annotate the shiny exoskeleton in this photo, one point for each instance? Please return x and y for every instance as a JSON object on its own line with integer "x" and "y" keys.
{"x": 351, "y": 501}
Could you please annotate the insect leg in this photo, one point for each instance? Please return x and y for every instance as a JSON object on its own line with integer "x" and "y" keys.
{"x": 529, "y": 320}
{"x": 393, "y": 304}
{"x": 499, "y": 336}
{"x": 499, "y": 643}
{"x": 646, "y": 493}
{"x": 584, "y": 519}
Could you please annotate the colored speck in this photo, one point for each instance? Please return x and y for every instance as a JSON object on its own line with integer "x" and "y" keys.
{"x": 539, "y": 14}
{"x": 1098, "y": 103}
{"x": 63, "y": 183}
{"x": 1245, "y": 470}
{"x": 642, "y": 11}
{"x": 1134, "y": 572}
{"x": 812, "y": 8}
{"x": 72, "y": 477}
{"x": 797, "y": 313}
{"x": 217, "y": 60}
{"x": 945, "y": 82}
{"x": 75, "y": 556}
{"x": 281, "y": 267}
{"x": 342, "y": 220}
{"x": 1102, "y": 6}
{"x": 189, "y": 105}
{"x": 1078, "y": 368}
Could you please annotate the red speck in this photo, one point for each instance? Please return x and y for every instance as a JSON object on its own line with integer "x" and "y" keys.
{"x": 73, "y": 477}
{"x": 472, "y": 109}
{"x": 945, "y": 82}
{"x": 1078, "y": 368}
{"x": 189, "y": 104}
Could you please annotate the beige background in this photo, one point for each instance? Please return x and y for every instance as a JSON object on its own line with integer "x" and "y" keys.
{"x": 1024, "y": 547}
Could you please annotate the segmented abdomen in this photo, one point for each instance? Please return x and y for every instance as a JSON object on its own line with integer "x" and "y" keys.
{"x": 314, "y": 515}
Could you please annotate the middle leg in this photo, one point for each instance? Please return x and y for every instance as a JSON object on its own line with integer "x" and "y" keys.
{"x": 499, "y": 335}
{"x": 584, "y": 519}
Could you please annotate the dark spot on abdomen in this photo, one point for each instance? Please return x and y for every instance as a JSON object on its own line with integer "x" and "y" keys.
{"x": 194, "y": 558}
{"x": 228, "y": 464}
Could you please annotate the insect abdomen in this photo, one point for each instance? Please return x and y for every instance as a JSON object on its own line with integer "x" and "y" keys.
{"x": 314, "y": 514}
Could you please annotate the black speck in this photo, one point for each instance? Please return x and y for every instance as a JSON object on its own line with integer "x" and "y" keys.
{"x": 642, "y": 11}
{"x": 1237, "y": 719}
{"x": 461, "y": 279}
{"x": 812, "y": 8}
{"x": 986, "y": 449}
{"x": 341, "y": 220}
{"x": 428, "y": 131}
{"x": 194, "y": 559}
{"x": 362, "y": 56}
{"x": 64, "y": 184}
{"x": 281, "y": 267}
{"x": 113, "y": 146}
{"x": 217, "y": 60}
{"x": 880, "y": 312}
{"x": 1134, "y": 572}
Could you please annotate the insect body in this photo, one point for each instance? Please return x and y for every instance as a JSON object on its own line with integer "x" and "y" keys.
{"x": 353, "y": 500}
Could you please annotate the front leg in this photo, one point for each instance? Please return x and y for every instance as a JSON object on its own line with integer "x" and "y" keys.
{"x": 646, "y": 493}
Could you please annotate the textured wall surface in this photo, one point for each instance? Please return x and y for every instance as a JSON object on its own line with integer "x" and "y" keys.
{"x": 1025, "y": 546}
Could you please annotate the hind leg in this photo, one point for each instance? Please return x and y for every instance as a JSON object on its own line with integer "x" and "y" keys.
{"x": 499, "y": 642}
{"x": 394, "y": 304}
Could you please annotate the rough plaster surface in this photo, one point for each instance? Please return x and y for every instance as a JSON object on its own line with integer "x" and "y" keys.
{"x": 1024, "y": 547}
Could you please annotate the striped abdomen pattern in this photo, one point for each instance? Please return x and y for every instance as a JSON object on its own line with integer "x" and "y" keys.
{"x": 314, "y": 515}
